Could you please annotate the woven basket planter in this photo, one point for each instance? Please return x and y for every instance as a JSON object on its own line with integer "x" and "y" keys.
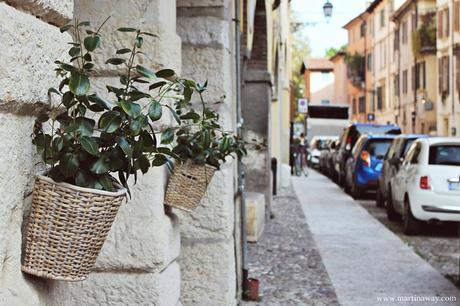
{"x": 67, "y": 228}
{"x": 187, "y": 185}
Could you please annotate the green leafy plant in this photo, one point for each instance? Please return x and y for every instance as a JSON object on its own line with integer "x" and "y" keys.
{"x": 355, "y": 68}
{"x": 201, "y": 138}
{"x": 86, "y": 139}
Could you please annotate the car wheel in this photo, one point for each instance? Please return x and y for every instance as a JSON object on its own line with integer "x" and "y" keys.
{"x": 379, "y": 198}
{"x": 341, "y": 180}
{"x": 355, "y": 191}
{"x": 411, "y": 224}
{"x": 392, "y": 215}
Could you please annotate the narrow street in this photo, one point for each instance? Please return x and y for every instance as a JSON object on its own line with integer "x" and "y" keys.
{"x": 367, "y": 263}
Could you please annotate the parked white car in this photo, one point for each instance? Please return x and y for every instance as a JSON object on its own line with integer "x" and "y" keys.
{"x": 427, "y": 187}
{"x": 317, "y": 145}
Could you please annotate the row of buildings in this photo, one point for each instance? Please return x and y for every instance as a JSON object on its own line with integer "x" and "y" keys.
{"x": 403, "y": 65}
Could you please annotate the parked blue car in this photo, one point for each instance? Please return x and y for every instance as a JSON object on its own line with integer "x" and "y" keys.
{"x": 364, "y": 167}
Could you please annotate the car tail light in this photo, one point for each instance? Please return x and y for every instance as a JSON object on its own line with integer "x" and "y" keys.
{"x": 366, "y": 158}
{"x": 424, "y": 182}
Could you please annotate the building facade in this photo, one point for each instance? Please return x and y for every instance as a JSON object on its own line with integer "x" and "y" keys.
{"x": 355, "y": 59}
{"x": 153, "y": 255}
{"x": 415, "y": 78}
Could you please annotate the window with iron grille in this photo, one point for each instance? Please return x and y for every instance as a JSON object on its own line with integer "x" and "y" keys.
{"x": 362, "y": 105}
{"x": 379, "y": 98}
{"x": 404, "y": 82}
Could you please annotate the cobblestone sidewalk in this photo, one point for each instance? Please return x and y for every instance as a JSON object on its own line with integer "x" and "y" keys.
{"x": 286, "y": 260}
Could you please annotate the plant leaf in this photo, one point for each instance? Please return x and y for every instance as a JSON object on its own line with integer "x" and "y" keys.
{"x": 90, "y": 145}
{"x": 101, "y": 166}
{"x": 92, "y": 42}
{"x": 165, "y": 73}
{"x": 159, "y": 160}
{"x": 74, "y": 51}
{"x": 110, "y": 121}
{"x": 139, "y": 41}
{"x": 79, "y": 84}
{"x": 127, "y": 29}
{"x": 123, "y": 51}
{"x": 175, "y": 115}
{"x": 156, "y": 85}
{"x": 155, "y": 110}
{"x": 167, "y": 136}
{"x": 106, "y": 182}
{"x": 101, "y": 102}
{"x": 69, "y": 164}
{"x": 145, "y": 72}
{"x": 66, "y": 27}
{"x": 125, "y": 146}
{"x": 132, "y": 109}
{"x": 115, "y": 61}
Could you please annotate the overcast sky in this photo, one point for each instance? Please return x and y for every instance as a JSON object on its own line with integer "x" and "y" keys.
{"x": 325, "y": 35}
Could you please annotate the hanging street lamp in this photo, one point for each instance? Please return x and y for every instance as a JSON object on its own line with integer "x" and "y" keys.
{"x": 327, "y": 8}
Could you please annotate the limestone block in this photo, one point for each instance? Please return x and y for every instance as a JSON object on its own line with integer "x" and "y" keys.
{"x": 208, "y": 273}
{"x": 29, "y": 49}
{"x": 157, "y": 17}
{"x": 143, "y": 237}
{"x": 255, "y": 215}
{"x": 57, "y": 12}
{"x": 16, "y": 162}
{"x": 120, "y": 289}
{"x": 214, "y": 217}
{"x": 214, "y": 32}
{"x": 285, "y": 175}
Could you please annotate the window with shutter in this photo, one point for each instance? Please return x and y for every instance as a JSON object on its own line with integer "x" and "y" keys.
{"x": 456, "y": 12}
{"x": 413, "y": 77}
{"x": 457, "y": 71}
{"x": 447, "y": 22}
{"x": 404, "y": 82}
{"x": 424, "y": 75}
{"x": 447, "y": 75}
{"x": 440, "y": 74}
{"x": 440, "y": 31}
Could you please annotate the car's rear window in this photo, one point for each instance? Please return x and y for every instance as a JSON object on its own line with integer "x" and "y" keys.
{"x": 407, "y": 145}
{"x": 370, "y": 129}
{"x": 378, "y": 147}
{"x": 445, "y": 155}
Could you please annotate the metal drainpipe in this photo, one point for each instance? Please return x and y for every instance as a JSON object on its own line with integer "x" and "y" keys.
{"x": 241, "y": 174}
{"x": 416, "y": 75}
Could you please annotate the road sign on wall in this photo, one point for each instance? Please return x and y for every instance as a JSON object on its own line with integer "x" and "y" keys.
{"x": 302, "y": 106}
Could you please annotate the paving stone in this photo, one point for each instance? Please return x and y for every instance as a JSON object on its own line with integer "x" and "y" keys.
{"x": 286, "y": 260}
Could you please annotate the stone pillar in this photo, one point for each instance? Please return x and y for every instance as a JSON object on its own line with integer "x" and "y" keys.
{"x": 137, "y": 265}
{"x": 29, "y": 47}
{"x": 207, "y": 257}
{"x": 256, "y": 102}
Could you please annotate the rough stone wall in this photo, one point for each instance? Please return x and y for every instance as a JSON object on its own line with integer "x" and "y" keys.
{"x": 29, "y": 48}
{"x": 137, "y": 265}
{"x": 207, "y": 259}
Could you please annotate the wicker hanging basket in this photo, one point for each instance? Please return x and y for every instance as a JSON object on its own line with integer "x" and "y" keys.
{"x": 187, "y": 185}
{"x": 67, "y": 228}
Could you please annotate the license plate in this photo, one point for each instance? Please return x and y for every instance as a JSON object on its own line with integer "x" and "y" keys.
{"x": 454, "y": 186}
